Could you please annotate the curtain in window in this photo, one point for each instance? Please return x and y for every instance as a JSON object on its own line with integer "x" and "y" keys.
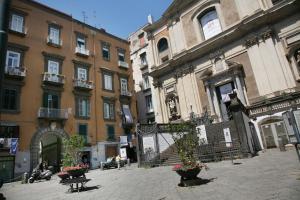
{"x": 13, "y": 59}
{"x": 210, "y": 24}
{"x": 107, "y": 82}
{"x": 17, "y": 23}
{"x": 54, "y": 35}
{"x": 127, "y": 114}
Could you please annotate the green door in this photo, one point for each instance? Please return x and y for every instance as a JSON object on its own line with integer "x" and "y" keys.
{"x": 7, "y": 168}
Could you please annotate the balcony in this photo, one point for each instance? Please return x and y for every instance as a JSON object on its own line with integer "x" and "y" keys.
{"x": 53, "y": 113}
{"x": 82, "y": 51}
{"x": 83, "y": 84}
{"x": 16, "y": 72}
{"x": 21, "y": 33}
{"x": 123, "y": 64}
{"x": 56, "y": 79}
{"x": 126, "y": 93}
{"x": 53, "y": 43}
{"x": 143, "y": 65}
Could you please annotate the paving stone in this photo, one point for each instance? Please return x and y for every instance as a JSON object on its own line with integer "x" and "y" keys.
{"x": 271, "y": 175}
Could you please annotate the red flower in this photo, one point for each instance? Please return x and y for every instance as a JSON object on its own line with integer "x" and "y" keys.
{"x": 177, "y": 167}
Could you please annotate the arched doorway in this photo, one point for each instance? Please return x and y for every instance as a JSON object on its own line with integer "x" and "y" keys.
{"x": 46, "y": 145}
{"x": 272, "y": 128}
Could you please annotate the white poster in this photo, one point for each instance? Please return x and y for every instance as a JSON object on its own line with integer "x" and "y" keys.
{"x": 201, "y": 132}
{"x": 148, "y": 143}
{"x": 123, "y": 153}
{"x": 227, "y": 137}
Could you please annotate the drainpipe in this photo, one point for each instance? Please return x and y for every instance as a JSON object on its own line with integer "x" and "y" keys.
{"x": 4, "y": 19}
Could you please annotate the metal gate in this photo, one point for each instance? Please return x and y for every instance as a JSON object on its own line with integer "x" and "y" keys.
{"x": 7, "y": 164}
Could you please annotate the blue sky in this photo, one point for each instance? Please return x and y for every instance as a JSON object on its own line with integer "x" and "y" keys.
{"x": 119, "y": 17}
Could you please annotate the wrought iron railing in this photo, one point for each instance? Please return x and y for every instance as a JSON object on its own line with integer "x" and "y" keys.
{"x": 53, "y": 113}
{"x": 55, "y": 78}
{"x": 15, "y": 71}
{"x": 123, "y": 64}
{"x": 82, "y": 51}
{"x": 83, "y": 84}
{"x": 126, "y": 93}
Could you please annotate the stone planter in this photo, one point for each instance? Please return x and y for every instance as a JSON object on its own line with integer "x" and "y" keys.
{"x": 189, "y": 174}
{"x": 76, "y": 172}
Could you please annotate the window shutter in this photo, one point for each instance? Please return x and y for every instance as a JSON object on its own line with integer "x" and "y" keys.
{"x": 45, "y": 100}
{"x": 83, "y": 131}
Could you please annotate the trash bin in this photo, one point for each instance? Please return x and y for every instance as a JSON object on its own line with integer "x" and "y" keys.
{"x": 281, "y": 144}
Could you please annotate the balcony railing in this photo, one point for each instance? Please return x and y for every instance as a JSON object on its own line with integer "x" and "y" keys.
{"x": 123, "y": 64}
{"x": 51, "y": 41}
{"x": 53, "y": 113}
{"x": 82, "y": 51}
{"x": 126, "y": 93}
{"x": 54, "y": 78}
{"x": 83, "y": 84}
{"x": 15, "y": 71}
{"x": 143, "y": 65}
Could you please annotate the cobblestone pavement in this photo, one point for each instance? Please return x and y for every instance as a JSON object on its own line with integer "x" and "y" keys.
{"x": 271, "y": 175}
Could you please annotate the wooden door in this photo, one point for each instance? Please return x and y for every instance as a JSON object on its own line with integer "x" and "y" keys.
{"x": 268, "y": 135}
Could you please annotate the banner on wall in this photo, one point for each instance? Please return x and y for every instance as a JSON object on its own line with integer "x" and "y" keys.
{"x": 14, "y": 146}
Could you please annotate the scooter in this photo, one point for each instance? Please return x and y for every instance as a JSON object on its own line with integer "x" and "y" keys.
{"x": 37, "y": 174}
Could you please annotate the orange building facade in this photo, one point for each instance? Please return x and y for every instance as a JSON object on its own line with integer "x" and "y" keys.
{"x": 64, "y": 77}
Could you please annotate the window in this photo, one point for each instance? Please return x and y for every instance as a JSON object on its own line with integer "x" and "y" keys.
{"x": 146, "y": 82}
{"x": 53, "y": 67}
{"x": 82, "y": 74}
{"x": 81, "y": 42}
{"x": 127, "y": 114}
{"x": 10, "y": 99}
{"x": 82, "y": 130}
{"x": 10, "y": 131}
{"x": 50, "y": 100}
{"x": 121, "y": 55}
{"x": 108, "y": 81}
{"x": 109, "y": 110}
{"x": 13, "y": 59}
{"x": 83, "y": 107}
{"x": 162, "y": 45}
{"x": 210, "y": 24}
{"x": 143, "y": 58}
{"x": 149, "y": 103}
{"x": 54, "y": 35}
{"x": 141, "y": 39}
{"x": 297, "y": 57}
{"x": 105, "y": 51}
{"x": 110, "y": 132}
{"x": 124, "y": 85}
{"x": 17, "y": 23}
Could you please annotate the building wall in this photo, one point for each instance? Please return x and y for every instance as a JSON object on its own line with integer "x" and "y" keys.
{"x": 259, "y": 60}
{"x": 36, "y": 23}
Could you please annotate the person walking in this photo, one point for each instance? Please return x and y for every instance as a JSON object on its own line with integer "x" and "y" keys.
{"x": 118, "y": 159}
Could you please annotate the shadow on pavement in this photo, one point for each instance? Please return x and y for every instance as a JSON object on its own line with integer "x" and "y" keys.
{"x": 2, "y": 197}
{"x": 195, "y": 182}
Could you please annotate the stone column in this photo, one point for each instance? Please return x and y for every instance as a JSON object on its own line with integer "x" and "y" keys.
{"x": 211, "y": 105}
{"x": 240, "y": 89}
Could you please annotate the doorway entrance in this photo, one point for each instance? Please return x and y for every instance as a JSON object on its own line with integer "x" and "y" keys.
{"x": 46, "y": 145}
{"x": 51, "y": 151}
{"x": 272, "y": 131}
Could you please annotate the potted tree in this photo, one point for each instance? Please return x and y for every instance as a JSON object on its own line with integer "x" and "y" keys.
{"x": 70, "y": 161}
{"x": 186, "y": 142}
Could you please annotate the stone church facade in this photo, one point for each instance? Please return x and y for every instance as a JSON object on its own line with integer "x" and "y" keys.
{"x": 203, "y": 50}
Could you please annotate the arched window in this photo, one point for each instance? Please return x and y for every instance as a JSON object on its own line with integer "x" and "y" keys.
{"x": 210, "y": 23}
{"x": 162, "y": 45}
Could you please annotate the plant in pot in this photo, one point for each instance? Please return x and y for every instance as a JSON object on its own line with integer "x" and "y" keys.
{"x": 70, "y": 161}
{"x": 186, "y": 142}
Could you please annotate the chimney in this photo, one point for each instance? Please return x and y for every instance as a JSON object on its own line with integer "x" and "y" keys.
{"x": 150, "y": 19}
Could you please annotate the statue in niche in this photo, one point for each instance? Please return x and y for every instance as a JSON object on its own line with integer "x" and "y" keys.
{"x": 297, "y": 57}
{"x": 171, "y": 102}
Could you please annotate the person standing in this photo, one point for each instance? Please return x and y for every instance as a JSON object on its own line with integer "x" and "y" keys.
{"x": 118, "y": 159}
